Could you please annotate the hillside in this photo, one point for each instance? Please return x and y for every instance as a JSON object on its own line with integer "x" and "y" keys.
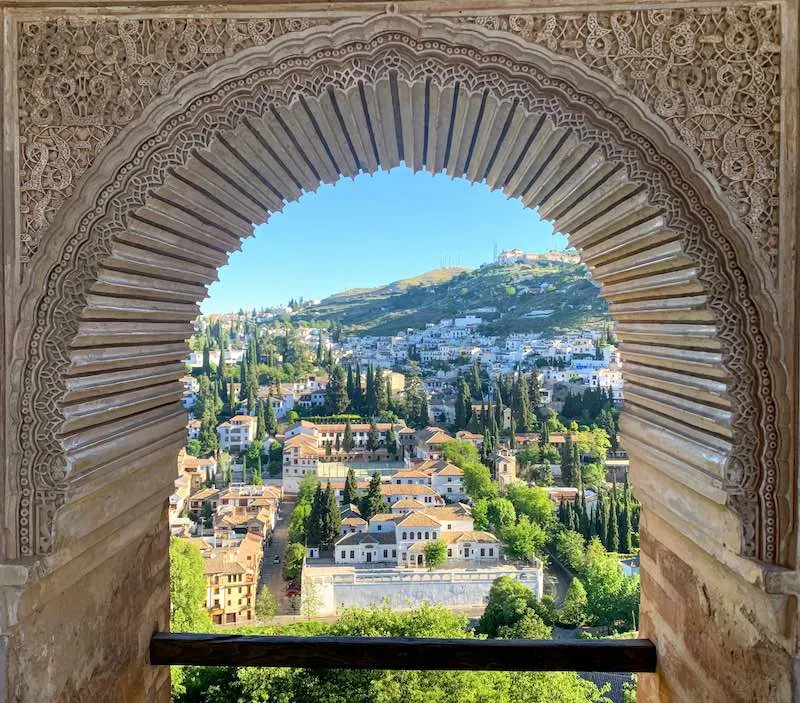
{"x": 522, "y": 296}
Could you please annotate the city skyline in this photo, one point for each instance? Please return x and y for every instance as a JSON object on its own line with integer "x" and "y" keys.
{"x": 353, "y": 234}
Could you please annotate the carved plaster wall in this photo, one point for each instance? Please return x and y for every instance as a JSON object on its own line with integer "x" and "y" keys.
{"x": 735, "y": 436}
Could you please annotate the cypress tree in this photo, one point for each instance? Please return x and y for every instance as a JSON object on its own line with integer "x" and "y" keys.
{"x": 370, "y": 399}
{"x": 331, "y": 518}
{"x": 270, "y": 420}
{"x": 567, "y": 459}
{"x": 388, "y": 384}
{"x": 261, "y": 423}
{"x": 221, "y": 385}
{"x": 314, "y": 521}
{"x": 373, "y": 437}
{"x": 544, "y": 435}
{"x": 243, "y": 379}
{"x": 475, "y": 381}
{"x": 463, "y": 404}
{"x": 391, "y": 441}
{"x": 351, "y": 389}
{"x": 337, "y": 444}
{"x": 347, "y": 439}
{"x": 613, "y": 522}
{"x": 625, "y": 527}
{"x": 373, "y": 502}
{"x": 319, "y": 357}
{"x": 585, "y": 529}
{"x": 521, "y": 404}
{"x": 206, "y": 359}
{"x": 380, "y": 391}
{"x": 336, "y": 397}
{"x": 512, "y": 435}
{"x": 577, "y": 466}
{"x": 534, "y": 392}
{"x": 358, "y": 394}
{"x": 350, "y": 492}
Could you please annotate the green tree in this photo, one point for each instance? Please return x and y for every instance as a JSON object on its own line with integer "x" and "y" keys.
{"x": 613, "y": 522}
{"x": 509, "y": 601}
{"x": 266, "y": 605}
{"x": 261, "y": 423}
{"x": 193, "y": 447}
{"x": 533, "y": 502}
{"x": 314, "y": 527}
{"x": 331, "y": 519}
{"x": 391, "y": 441}
{"x": 435, "y": 553}
{"x": 625, "y": 528}
{"x": 463, "y": 406}
{"x": 480, "y": 514}
{"x": 525, "y": 540}
{"x": 336, "y": 397}
{"x": 373, "y": 437}
{"x": 350, "y": 491}
{"x": 569, "y": 547}
{"x": 347, "y": 439}
{"x": 477, "y": 477}
{"x": 521, "y": 404}
{"x": 293, "y": 561}
{"x": 187, "y": 588}
{"x": 207, "y": 359}
{"x": 501, "y": 513}
{"x": 573, "y": 611}
{"x": 529, "y": 627}
{"x": 270, "y": 420}
{"x": 373, "y": 502}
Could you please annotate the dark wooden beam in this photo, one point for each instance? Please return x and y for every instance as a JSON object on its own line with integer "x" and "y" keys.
{"x": 403, "y": 653}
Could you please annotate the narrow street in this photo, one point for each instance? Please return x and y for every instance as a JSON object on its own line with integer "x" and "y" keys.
{"x": 272, "y": 574}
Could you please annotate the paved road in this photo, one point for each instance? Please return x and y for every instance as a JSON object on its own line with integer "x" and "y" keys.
{"x": 271, "y": 574}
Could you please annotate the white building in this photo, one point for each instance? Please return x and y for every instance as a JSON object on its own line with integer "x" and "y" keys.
{"x": 237, "y": 434}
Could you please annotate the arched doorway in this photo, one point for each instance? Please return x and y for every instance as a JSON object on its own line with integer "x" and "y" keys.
{"x": 107, "y": 305}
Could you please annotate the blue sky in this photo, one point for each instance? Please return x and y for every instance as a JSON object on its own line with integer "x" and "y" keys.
{"x": 372, "y": 230}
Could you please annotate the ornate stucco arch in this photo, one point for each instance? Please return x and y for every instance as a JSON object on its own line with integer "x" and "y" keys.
{"x": 108, "y": 302}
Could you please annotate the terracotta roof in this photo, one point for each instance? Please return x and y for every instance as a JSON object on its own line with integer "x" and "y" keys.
{"x": 385, "y": 517}
{"x": 221, "y": 565}
{"x": 409, "y": 503}
{"x": 411, "y": 473}
{"x": 450, "y": 470}
{"x": 432, "y": 435}
{"x": 407, "y": 489}
{"x": 418, "y": 520}
{"x": 354, "y": 521}
{"x": 471, "y": 536}
{"x": 448, "y": 512}
{"x": 204, "y": 494}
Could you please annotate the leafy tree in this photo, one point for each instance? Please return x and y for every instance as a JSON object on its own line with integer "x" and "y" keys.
{"x": 187, "y": 588}
{"x": 477, "y": 478}
{"x": 509, "y": 601}
{"x": 573, "y": 611}
{"x": 193, "y": 447}
{"x": 350, "y": 491}
{"x": 336, "y": 397}
{"x": 501, "y": 513}
{"x": 435, "y": 554}
{"x": 293, "y": 561}
{"x": 480, "y": 514}
{"x": 533, "y": 502}
{"x": 298, "y": 520}
{"x": 529, "y": 627}
{"x": 524, "y": 540}
{"x": 569, "y": 549}
{"x": 266, "y": 605}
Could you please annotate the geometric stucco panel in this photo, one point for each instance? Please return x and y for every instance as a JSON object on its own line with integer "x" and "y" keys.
{"x": 713, "y": 74}
{"x": 705, "y": 238}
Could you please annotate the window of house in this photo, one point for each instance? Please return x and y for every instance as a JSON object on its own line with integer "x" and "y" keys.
{"x": 404, "y": 535}
{"x": 419, "y": 535}
{"x": 380, "y": 527}
{"x": 385, "y": 553}
{"x": 394, "y": 554}
{"x": 344, "y": 554}
{"x": 491, "y": 551}
{"x": 449, "y": 526}
{"x": 483, "y": 552}
{"x": 352, "y": 554}
{"x": 427, "y": 535}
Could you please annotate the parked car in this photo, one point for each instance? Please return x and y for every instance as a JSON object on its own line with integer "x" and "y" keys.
{"x": 276, "y": 559}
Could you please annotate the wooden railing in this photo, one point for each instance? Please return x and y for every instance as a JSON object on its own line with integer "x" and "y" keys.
{"x": 638, "y": 655}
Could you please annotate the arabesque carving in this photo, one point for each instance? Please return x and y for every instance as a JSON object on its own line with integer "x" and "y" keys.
{"x": 82, "y": 79}
{"x": 712, "y": 74}
{"x": 752, "y": 480}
